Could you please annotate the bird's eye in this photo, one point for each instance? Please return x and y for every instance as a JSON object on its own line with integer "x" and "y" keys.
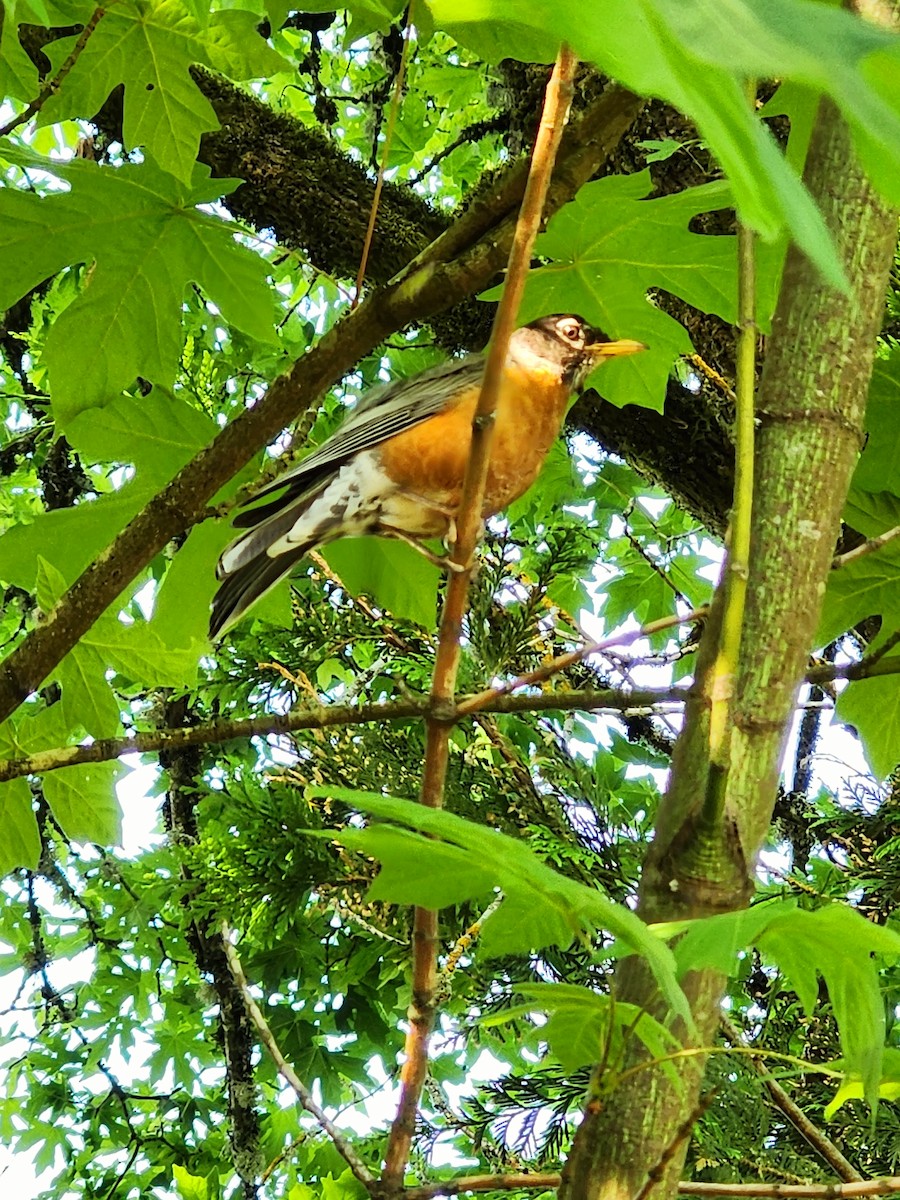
{"x": 572, "y": 332}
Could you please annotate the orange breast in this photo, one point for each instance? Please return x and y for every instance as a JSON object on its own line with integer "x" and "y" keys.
{"x": 430, "y": 459}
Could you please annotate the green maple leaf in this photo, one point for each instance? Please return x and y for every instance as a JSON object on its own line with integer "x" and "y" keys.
{"x": 459, "y": 860}
{"x": 697, "y": 56}
{"x": 135, "y": 652}
{"x": 18, "y": 74}
{"x": 609, "y": 247}
{"x": 20, "y": 845}
{"x": 145, "y": 241}
{"x": 150, "y": 46}
{"x": 879, "y": 464}
{"x": 158, "y": 434}
{"x": 872, "y": 707}
{"x": 398, "y": 577}
{"x": 71, "y": 538}
{"x": 868, "y": 586}
{"x": 83, "y": 801}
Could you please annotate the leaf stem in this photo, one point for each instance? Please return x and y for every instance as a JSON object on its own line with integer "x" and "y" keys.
{"x": 737, "y": 563}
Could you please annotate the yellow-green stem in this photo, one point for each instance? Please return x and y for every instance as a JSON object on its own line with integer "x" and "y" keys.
{"x": 737, "y": 564}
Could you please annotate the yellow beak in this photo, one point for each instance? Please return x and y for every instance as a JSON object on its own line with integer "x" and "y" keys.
{"x": 616, "y": 349}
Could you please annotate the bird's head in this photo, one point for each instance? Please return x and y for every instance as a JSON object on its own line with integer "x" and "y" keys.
{"x": 568, "y": 341}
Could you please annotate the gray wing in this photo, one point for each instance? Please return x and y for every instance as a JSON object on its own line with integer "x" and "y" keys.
{"x": 383, "y": 412}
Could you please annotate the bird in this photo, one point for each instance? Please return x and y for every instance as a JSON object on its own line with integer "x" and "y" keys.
{"x": 395, "y": 466}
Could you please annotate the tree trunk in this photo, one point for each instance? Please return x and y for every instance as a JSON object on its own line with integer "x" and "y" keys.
{"x": 810, "y": 427}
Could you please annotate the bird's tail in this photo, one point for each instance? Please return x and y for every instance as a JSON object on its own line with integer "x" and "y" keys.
{"x": 246, "y": 567}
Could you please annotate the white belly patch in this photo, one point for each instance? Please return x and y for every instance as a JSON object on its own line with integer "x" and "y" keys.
{"x": 359, "y": 500}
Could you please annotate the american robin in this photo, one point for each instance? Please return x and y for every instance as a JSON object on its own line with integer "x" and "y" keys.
{"x": 396, "y": 465}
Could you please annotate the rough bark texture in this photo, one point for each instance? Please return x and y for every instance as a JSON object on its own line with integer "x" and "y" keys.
{"x": 184, "y": 768}
{"x": 811, "y": 406}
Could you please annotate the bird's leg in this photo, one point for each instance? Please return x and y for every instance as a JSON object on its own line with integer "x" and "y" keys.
{"x": 439, "y": 560}
{"x": 445, "y": 510}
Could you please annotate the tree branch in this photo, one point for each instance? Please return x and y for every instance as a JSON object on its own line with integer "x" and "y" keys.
{"x": 322, "y": 717}
{"x": 562, "y": 662}
{"x": 794, "y": 1113}
{"x": 326, "y": 716}
{"x": 286, "y": 1071}
{"x": 765, "y": 1191}
{"x": 422, "y": 1010}
{"x": 184, "y": 768}
{"x": 869, "y": 546}
{"x": 460, "y": 262}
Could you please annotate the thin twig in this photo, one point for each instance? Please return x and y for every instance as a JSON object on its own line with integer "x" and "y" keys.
{"x": 740, "y": 1191}
{"x": 487, "y": 698}
{"x": 797, "y": 1117}
{"x": 468, "y": 527}
{"x": 286, "y": 1071}
{"x": 869, "y": 546}
{"x": 745, "y": 1051}
{"x": 713, "y": 376}
{"x": 52, "y": 85}
{"x": 472, "y": 133}
{"x": 382, "y": 166}
{"x": 645, "y": 554}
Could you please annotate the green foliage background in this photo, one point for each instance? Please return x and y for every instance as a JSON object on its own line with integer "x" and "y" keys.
{"x": 142, "y": 314}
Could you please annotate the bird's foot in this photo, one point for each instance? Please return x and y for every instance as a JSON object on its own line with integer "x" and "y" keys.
{"x": 442, "y": 561}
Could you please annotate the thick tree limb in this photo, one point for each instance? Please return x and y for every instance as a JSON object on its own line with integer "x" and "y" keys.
{"x": 296, "y": 181}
